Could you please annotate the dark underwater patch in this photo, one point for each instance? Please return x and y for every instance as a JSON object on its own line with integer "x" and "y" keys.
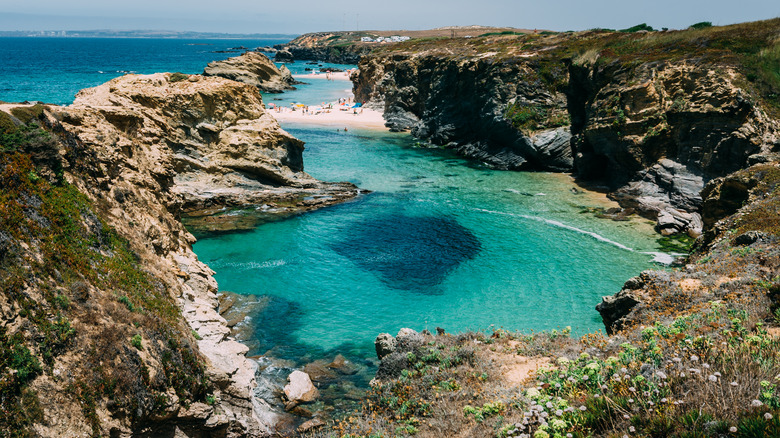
{"x": 408, "y": 252}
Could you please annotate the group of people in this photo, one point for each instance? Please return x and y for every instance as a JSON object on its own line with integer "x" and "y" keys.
{"x": 344, "y": 104}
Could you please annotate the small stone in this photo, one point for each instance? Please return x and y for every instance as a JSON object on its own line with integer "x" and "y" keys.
{"x": 314, "y": 423}
{"x": 300, "y": 389}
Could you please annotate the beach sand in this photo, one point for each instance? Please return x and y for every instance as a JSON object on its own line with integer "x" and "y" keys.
{"x": 338, "y": 76}
{"x": 369, "y": 119}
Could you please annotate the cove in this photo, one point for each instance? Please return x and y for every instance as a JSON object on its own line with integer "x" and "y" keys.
{"x": 440, "y": 241}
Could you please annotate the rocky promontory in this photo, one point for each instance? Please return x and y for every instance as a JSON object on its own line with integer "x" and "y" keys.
{"x": 106, "y": 310}
{"x": 256, "y": 69}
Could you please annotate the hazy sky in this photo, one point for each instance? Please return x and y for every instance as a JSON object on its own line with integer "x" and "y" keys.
{"x": 299, "y": 16}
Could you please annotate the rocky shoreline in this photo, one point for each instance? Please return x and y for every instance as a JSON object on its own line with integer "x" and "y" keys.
{"x": 652, "y": 132}
{"x": 144, "y": 150}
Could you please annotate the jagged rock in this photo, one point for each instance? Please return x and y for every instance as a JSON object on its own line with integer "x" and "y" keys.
{"x": 667, "y": 184}
{"x": 300, "y": 389}
{"x": 407, "y": 340}
{"x": 312, "y": 424}
{"x": 672, "y": 221}
{"x": 384, "y": 344}
{"x": 461, "y": 104}
{"x": 554, "y": 146}
{"x": 284, "y": 55}
{"x": 392, "y": 365}
{"x": 614, "y": 308}
{"x": 255, "y": 69}
{"x": 695, "y": 227}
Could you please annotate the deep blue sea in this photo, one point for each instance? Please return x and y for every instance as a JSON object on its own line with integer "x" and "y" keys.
{"x": 440, "y": 241}
{"x": 53, "y": 70}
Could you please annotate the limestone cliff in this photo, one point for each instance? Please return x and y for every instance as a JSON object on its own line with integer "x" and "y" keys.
{"x": 109, "y": 321}
{"x": 253, "y": 68}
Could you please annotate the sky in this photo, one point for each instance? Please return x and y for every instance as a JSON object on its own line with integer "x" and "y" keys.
{"x": 301, "y": 16}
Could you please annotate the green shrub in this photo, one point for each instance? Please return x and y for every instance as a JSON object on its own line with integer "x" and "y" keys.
{"x": 637, "y": 28}
{"x": 126, "y": 301}
{"x": 135, "y": 341}
{"x": 27, "y": 114}
{"x": 701, "y": 25}
{"x": 178, "y": 77}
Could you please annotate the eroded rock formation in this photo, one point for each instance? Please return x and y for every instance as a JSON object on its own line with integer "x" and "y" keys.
{"x": 253, "y": 68}
{"x": 463, "y": 104}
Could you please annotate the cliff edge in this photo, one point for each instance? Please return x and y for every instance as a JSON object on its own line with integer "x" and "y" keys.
{"x": 105, "y": 308}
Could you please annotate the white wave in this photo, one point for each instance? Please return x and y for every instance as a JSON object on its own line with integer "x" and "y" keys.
{"x": 658, "y": 257}
{"x": 541, "y": 194}
{"x": 513, "y": 191}
{"x": 662, "y": 257}
{"x": 554, "y": 223}
{"x": 251, "y": 265}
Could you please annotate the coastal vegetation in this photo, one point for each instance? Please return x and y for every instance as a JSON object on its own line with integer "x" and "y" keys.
{"x": 63, "y": 269}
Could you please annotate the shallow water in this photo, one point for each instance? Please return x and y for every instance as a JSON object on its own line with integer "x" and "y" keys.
{"x": 441, "y": 241}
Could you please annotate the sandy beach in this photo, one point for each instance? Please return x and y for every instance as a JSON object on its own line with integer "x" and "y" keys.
{"x": 338, "y": 76}
{"x": 368, "y": 119}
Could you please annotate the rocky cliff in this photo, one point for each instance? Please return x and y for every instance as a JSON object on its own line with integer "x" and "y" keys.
{"x": 253, "y": 68}
{"x": 474, "y": 104}
{"x": 109, "y": 321}
{"x": 651, "y": 117}
{"x": 336, "y": 47}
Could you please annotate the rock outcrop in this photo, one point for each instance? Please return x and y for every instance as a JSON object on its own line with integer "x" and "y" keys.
{"x": 253, "y": 68}
{"x": 736, "y": 261}
{"x": 115, "y": 171}
{"x": 468, "y": 105}
{"x": 657, "y": 132}
{"x": 209, "y": 140}
{"x": 323, "y": 46}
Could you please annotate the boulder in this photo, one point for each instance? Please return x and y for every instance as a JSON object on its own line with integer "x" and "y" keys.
{"x": 384, "y": 344}
{"x": 341, "y": 365}
{"x": 300, "y": 389}
{"x": 553, "y": 146}
{"x": 614, "y": 309}
{"x": 284, "y": 56}
{"x": 319, "y": 371}
{"x": 407, "y": 340}
{"x": 673, "y": 221}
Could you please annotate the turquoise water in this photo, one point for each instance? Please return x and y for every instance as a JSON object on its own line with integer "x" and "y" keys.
{"x": 440, "y": 242}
